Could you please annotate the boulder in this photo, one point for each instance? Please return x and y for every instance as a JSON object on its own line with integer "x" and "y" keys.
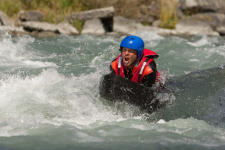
{"x": 203, "y": 5}
{"x": 166, "y": 32}
{"x": 39, "y": 26}
{"x": 13, "y": 30}
{"x": 94, "y": 13}
{"x": 30, "y": 16}
{"x": 93, "y": 26}
{"x": 213, "y": 19}
{"x": 126, "y": 26}
{"x": 62, "y": 28}
{"x": 221, "y": 30}
{"x": 66, "y": 28}
{"x": 4, "y": 20}
{"x": 154, "y": 10}
{"x": 194, "y": 27}
{"x": 43, "y": 34}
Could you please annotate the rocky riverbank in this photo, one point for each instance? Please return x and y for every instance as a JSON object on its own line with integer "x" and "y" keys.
{"x": 195, "y": 17}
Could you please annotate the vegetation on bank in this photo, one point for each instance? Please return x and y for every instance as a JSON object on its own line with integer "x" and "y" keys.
{"x": 53, "y": 10}
{"x": 56, "y": 10}
{"x": 168, "y": 15}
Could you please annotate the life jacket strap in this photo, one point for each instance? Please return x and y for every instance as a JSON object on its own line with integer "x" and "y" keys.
{"x": 119, "y": 64}
{"x": 142, "y": 69}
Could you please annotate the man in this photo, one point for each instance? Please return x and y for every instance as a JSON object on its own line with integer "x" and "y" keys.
{"x": 135, "y": 62}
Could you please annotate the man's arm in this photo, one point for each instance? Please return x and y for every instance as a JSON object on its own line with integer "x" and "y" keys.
{"x": 149, "y": 79}
{"x": 112, "y": 68}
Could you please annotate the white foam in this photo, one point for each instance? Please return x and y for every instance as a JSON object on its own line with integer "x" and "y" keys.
{"x": 38, "y": 64}
{"x": 220, "y": 50}
{"x": 194, "y": 60}
{"x": 203, "y": 41}
{"x": 83, "y": 137}
{"x": 194, "y": 130}
{"x": 161, "y": 121}
{"x": 15, "y": 52}
{"x": 151, "y": 38}
{"x": 51, "y": 98}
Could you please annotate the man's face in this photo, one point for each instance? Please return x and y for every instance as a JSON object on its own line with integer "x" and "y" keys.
{"x": 129, "y": 57}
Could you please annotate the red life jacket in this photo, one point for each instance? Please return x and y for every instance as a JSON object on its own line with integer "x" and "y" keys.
{"x": 139, "y": 71}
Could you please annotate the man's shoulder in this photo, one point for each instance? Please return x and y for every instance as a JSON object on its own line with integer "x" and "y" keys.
{"x": 148, "y": 70}
{"x": 151, "y": 67}
{"x": 150, "y": 53}
{"x": 114, "y": 64}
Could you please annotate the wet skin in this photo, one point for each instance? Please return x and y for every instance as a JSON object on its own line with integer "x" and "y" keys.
{"x": 129, "y": 57}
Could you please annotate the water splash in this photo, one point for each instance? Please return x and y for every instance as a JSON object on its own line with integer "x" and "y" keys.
{"x": 16, "y": 52}
{"x": 51, "y": 98}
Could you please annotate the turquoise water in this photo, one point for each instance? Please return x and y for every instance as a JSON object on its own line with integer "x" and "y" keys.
{"x": 49, "y": 96}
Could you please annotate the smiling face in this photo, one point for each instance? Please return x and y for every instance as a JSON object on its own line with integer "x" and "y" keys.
{"x": 129, "y": 57}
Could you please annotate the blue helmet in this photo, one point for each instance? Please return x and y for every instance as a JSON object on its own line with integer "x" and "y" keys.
{"x": 133, "y": 42}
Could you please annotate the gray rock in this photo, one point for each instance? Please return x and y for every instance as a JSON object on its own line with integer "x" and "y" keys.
{"x": 166, "y": 32}
{"x": 39, "y": 26}
{"x": 93, "y": 26}
{"x": 66, "y": 28}
{"x": 221, "y": 30}
{"x": 30, "y": 16}
{"x": 13, "y": 30}
{"x": 94, "y": 13}
{"x": 4, "y": 19}
{"x": 213, "y": 19}
{"x": 203, "y": 5}
{"x": 156, "y": 23}
{"x": 126, "y": 26}
{"x": 194, "y": 27}
{"x": 43, "y": 34}
{"x": 62, "y": 28}
{"x": 154, "y": 9}
{"x": 156, "y": 30}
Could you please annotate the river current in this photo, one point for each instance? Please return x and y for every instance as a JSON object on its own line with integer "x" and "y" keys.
{"x": 49, "y": 95}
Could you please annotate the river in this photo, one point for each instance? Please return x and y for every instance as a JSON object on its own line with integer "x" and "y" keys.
{"x": 49, "y": 95}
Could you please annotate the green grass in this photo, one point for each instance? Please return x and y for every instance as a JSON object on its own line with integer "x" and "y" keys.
{"x": 9, "y": 7}
{"x": 168, "y": 16}
{"x": 78, "y": 24}
{"x": 53, "y": 10}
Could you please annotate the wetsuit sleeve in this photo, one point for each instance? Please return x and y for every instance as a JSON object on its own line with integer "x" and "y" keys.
{"x": 149, "y": 79}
